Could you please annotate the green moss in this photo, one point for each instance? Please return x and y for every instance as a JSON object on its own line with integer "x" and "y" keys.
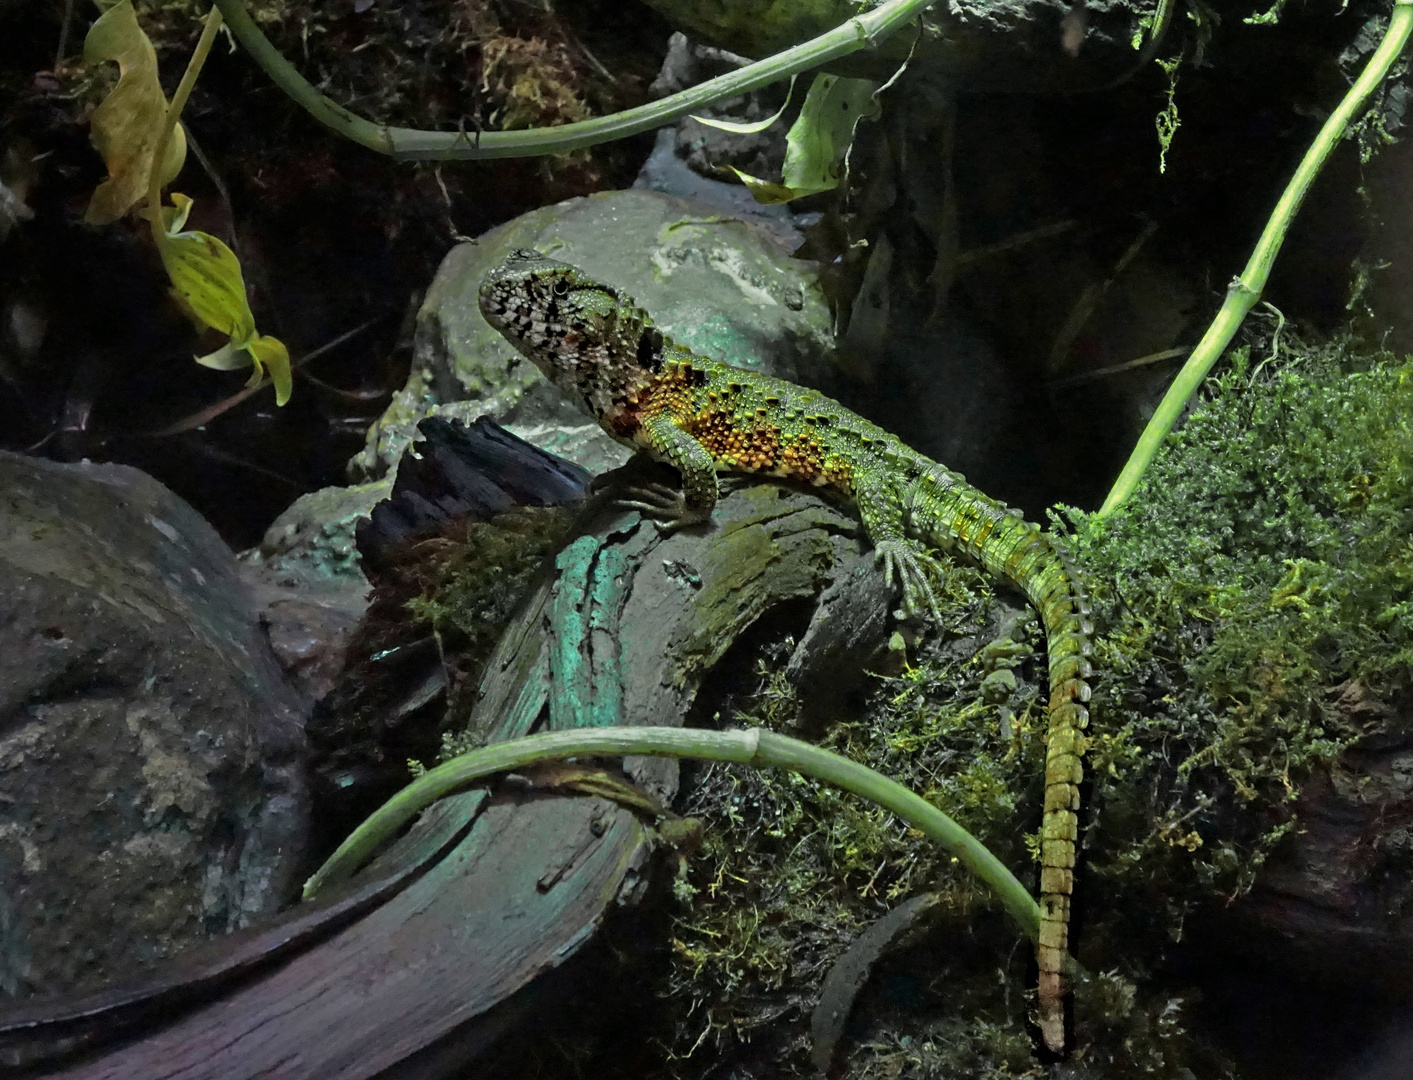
{"x": 448, "y": 595}
{"x": 1266, "y": 560}
{"x": 469, "y": 584}
{"x": 789, "y": 873}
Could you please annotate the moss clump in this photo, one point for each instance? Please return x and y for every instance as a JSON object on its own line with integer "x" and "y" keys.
{"x": 1266, "y": 560}
{"x": 469, "y": 584}
{"x": 790, "y": 873}
{"x": 440, "y": 605}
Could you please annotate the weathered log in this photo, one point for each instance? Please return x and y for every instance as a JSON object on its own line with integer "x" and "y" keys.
{"x": 623, "y": 628}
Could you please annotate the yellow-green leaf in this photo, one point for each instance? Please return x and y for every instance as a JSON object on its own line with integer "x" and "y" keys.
{"x": 127, "y": 125}
{"x": 174, "y": 216}
{"x": 766, "y": 191}
{"x": 270, "y": 354}
{"x": 206, "y": 278}
{"x": 229, "y": 357}
{"x": 817, "y": 146}
{"x": 818, "y": 143}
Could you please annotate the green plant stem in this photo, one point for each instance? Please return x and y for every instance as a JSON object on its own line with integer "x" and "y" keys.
{"x": 1245, "y": 291}
{"x": 750, "y": 747}
{"x": 174, "y": 113}
{"x": 410, "y": 144}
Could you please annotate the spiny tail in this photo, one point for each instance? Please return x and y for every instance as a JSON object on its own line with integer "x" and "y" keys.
{"x": 950, "y": 514}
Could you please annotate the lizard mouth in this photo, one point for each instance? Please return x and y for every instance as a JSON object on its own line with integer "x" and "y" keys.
{"x": 492, "y": 307}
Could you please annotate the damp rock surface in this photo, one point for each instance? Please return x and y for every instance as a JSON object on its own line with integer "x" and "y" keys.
{"x": 151, "y": 791}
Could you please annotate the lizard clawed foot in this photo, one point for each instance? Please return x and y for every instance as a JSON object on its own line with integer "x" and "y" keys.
{"x": 913, "y": 570}
{"x": 665, "y": 506}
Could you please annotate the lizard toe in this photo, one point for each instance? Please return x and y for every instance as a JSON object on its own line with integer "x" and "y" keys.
{"x": 913, "y": 570}
{"x": 666, "y": 507}
{"x": 887, "y": 554}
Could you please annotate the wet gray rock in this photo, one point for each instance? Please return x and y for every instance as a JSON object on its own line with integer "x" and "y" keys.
{"x": 719, "y": 284}
{"x": 151, "y": 783}
{"x": 309, "y": 583}
{"x": 693, "y": 160}
{"x": 683, "y": 153}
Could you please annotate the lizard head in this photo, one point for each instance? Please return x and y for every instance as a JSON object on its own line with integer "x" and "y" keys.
{"x": 589, "y": 339}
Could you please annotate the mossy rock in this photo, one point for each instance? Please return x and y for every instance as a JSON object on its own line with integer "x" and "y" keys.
{"x": 719, "y": 285}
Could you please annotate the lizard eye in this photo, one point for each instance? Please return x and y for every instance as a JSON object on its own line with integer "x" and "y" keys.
{"x": 560, "y": 287}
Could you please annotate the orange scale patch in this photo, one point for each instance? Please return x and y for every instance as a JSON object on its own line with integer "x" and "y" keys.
{"x": 803, "y": 459}
{"x": 761, "y": 450}
{"x": 740, "y": 450}
{"x": 715, "y": 431}
{"x": 838, "y": 473}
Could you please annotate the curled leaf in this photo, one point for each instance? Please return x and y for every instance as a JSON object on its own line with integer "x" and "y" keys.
{"x": 207, "y": 280}
{"x": 817, "y": 146}
{"x": 752, "y": 127}
{"x": 269, "y": 354}
{"x": 767, "y": 191}
{"x": 127, "y": 125}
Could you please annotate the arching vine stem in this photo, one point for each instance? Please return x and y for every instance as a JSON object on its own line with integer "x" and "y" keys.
{"x": 749, "y": 747}
{"x": 410, "y": 144}
{"x": 1244, "y": 291}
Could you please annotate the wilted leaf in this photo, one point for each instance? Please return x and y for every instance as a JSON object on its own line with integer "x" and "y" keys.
{"x": 819, "y": 140}
{"x": 270, "y": 353}
{"x": 128, "y": 124}
{"x": 206, "y": 278}
{"x": 767, "y": 191}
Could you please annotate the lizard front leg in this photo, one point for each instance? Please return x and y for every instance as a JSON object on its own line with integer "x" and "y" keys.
{"x": 675, "y": 510}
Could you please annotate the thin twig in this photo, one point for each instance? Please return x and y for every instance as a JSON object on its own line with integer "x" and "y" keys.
{"x": 1089, "y": 300}
{"x": 64, "y": 34}
{"x": 210, "y": 412}
{"x": 347, "y": 395}
{"x": 593, "y": 60}
{"x": 233, "y": 241}
{"x": 1016, "y": 240}
{"x": 1114, "y": 369}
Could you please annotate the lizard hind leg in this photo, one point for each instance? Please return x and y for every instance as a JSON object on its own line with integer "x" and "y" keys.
{"x": 903, "y": 559}
{"x": 915, "y": 570}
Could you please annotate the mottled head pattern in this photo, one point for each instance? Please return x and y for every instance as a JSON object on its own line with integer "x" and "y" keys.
{"x": 591, "y": 341}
